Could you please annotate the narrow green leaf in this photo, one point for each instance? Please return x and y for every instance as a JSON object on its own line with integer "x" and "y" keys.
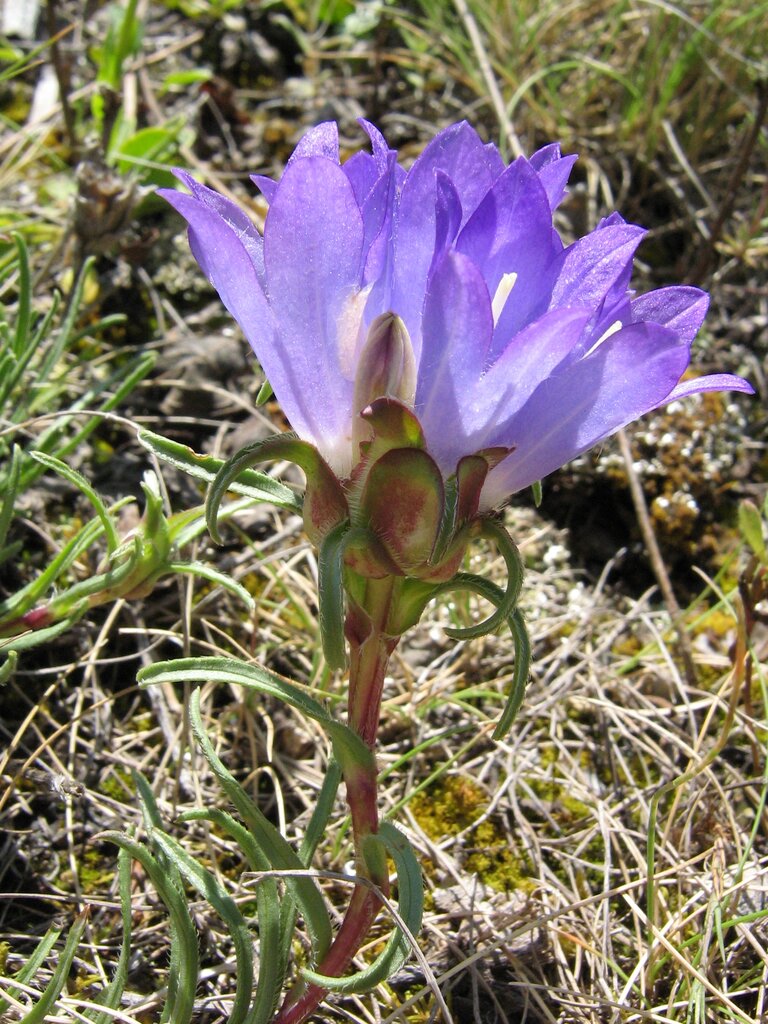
{"x": 324, "y": 801}
{"x": 184, "y": 969}
{"x": 24, "y": 308}
{"x": 29, "y": 970}
{"x": 273, "y": 958}
{"x": 10, "y": 492}
{"x": 7, "y": 669}
{"x": 27, "y": 596}
{"x": 324, "y": 504}
{"x": 347, "y": 745}
{"x": 275, "y": 847}
{"x": 250, "y": 482}
{"x": 751, "y": 526}
{"x": 265, "y": 393}
{"x": 184, "y": 78}
{"x": 411, "y": 907}
{"x": 511, "y": 555}
{"x": 184, "y": 527}
{"x": 212, "y": 891}
{"x": 208, "y": 572}
{"x": 34, "y": 638}
{"x": 494, "y": 594}
{"x": 330, "y": 590}
{"x": 111, "y": 996}
{"x": 47, "y": 1001}
{"x": 85, "y": 488}
{"x": 519, "y": 676}
{"x": 537, "y": 493}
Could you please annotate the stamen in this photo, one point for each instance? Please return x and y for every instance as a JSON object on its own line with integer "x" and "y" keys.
{"x": 505, "y": 286}
{"x": 615, "y": 326}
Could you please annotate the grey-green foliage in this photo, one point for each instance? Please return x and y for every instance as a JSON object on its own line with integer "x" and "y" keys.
{"x": 174, "y": 871}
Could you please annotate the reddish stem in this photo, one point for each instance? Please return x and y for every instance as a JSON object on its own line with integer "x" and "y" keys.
{"x": 357, "y": 922}
{"x": 370, "y": 648}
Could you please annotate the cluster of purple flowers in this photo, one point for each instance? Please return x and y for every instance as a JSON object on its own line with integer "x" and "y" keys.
{"x": 508, "y": 337}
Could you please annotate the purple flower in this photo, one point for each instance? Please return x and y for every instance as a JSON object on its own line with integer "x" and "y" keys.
{"x": 506, "y": 337}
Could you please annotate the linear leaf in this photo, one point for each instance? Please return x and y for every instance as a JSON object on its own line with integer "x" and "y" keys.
{"x": 411, "y": 907}
{"x": 331, "y": 594}
{"x": 212, "y": 891}
{"x": 33, "y": 965}
{"x": 47, "y": 1001}
{"x": 85, "y": 488}
{"x": 272, "y": 960}
{"x": 250, "y": 483}
{"x": 278, "y": 851}
{"x": 110, "y": 997}
{"x": 185, "y": 963}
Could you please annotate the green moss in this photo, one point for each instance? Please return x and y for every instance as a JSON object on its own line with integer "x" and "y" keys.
{"x": 95, "y": 872}
{"x": 452, "y": 805}
{"x": 118, "y": 786}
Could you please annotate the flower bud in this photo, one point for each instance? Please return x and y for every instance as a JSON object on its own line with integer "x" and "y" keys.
{"x": 386, "y": 369}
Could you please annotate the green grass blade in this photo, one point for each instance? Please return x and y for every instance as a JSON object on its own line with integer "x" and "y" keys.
{"x": 33, "y": 965}
{"x": 10, "y": 492}
{"x": 47, "y": 1001}
{"x": 110, "y": 997}
{"x": 50, "y": 441}
{"x": 24, "y": 310}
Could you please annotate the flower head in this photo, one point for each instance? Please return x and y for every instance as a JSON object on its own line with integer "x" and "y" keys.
{"x": 447, "y": 288}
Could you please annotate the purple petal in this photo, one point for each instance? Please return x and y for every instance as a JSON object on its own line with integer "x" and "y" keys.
{"x": 712, "y": 382}
{"x": 459, "y": 153}
{"x": 267, "y": 186}
{"x": 511, "y": 232}
{"x": 227, "y": 264}
{"x": 237, "y": 219}
{"x": 681, "y": 308}
{"x": 530, "y": 357}
{"x": 595, "y": 266}
{"x": 313, "y": 239}
{"x": 630, "y": 373}
{"x": 379, "y": 147}
{"x": 554, "y": 171}
{"x": 448, "y": 214}
{"x": 362, "y": 173}
{"x": 378, "y": 212}
{"x": 322, "y": 140}
{"x": 457, "y": 331}
{"x": 545, "y": 156}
